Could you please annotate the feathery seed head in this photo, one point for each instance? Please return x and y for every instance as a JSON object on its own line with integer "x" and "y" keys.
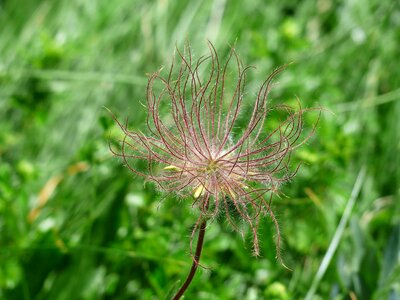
{"x": 208, "y": 141}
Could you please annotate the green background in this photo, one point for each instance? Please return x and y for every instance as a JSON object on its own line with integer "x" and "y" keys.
{"x": 76, "y": 224}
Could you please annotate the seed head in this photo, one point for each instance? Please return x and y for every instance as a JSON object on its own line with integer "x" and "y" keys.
{"x": 209, "y": 141}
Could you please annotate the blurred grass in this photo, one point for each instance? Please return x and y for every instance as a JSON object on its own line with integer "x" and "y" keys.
{"x": 75, "y": 224}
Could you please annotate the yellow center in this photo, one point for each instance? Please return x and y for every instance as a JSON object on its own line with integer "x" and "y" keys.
{"x": 212, "y": 166}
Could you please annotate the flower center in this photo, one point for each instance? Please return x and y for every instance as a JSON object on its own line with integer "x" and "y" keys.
{"x": 212, "y": 166}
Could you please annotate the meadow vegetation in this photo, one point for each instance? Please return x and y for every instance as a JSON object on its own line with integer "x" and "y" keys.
{"x": 75, "y": 223}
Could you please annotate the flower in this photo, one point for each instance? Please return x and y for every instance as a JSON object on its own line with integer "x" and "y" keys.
{"x": 207, "y": 141}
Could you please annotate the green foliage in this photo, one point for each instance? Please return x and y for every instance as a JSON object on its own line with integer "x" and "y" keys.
{"x": 76, "y": 224}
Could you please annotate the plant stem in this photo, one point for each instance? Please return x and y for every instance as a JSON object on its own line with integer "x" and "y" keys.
{"x": 196, "y": 259}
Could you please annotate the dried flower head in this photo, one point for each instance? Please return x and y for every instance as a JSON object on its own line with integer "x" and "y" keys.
{"x": 210, "y": 142}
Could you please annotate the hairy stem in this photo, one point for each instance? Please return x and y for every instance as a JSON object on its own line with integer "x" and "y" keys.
{"x": 196, "y": 259}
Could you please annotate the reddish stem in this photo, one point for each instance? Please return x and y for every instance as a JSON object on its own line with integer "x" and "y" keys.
{"x": 196, "y": 259}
